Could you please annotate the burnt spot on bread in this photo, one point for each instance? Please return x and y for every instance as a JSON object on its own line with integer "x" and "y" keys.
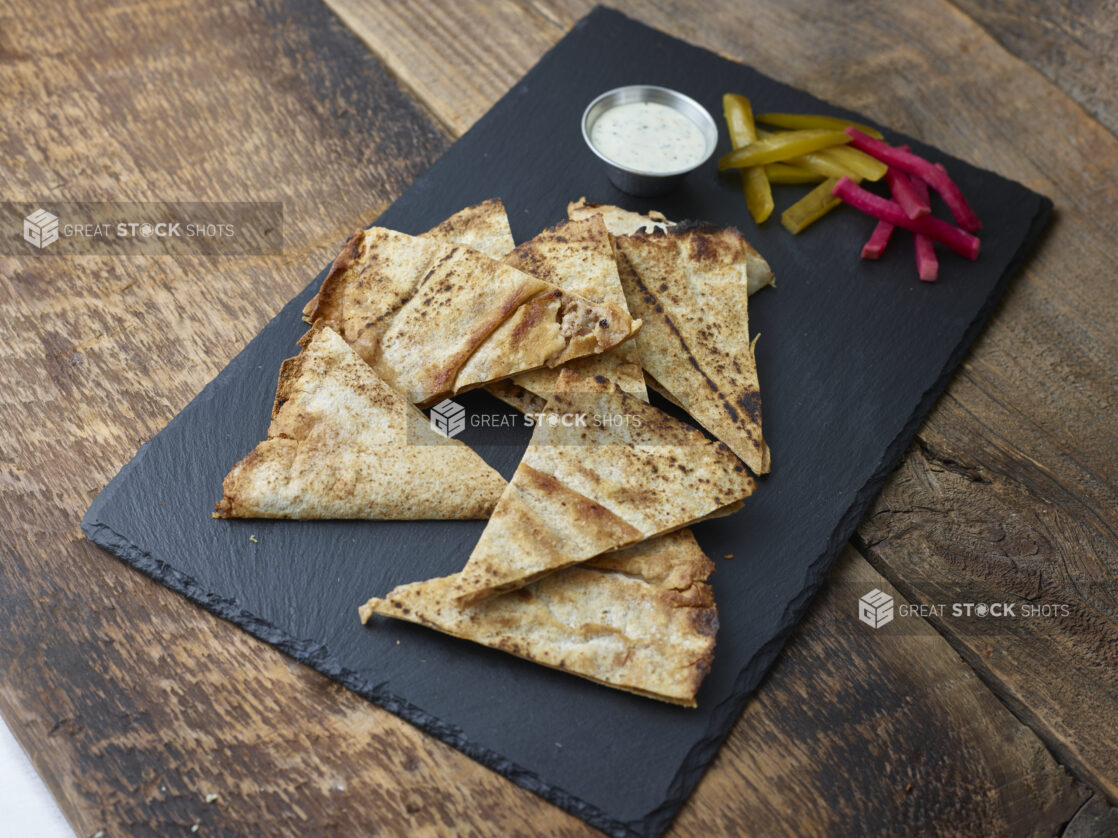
{"x": 750, "y": 402}
{"x": 702, "y": 248}
{"x": 705, "y": 621}
{"x": 708, "y": 228}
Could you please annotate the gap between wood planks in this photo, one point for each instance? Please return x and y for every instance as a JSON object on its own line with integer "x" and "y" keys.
{"x": 150, "y": 698}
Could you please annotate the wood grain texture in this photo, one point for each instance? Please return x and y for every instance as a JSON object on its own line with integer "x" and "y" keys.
{"x": 1033, "y": 405}
{"x": 1074, "y": 44}
{"x": 862, "y": 732}
{"x": 136, "y": 706}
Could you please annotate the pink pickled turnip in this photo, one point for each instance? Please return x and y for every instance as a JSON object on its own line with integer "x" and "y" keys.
{"x": 934, "y": 175}
{"x": 883, "y": 209}
{"x": 878, "y": 241}
{"x": 905, "y": 194}
{"x": 927, "y": 265}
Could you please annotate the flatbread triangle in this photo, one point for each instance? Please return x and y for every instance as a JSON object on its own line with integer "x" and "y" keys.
{"x": 484, "y": 227}
{"x": 623, "y": 222}
{"x": 577, "y": 256}
{"x": 640, "y": 619}
{"x": 627, "y": 473}
{"x": 434, "y": 318}
{"x": 343, "y": 444}
{"x": 689, "y": 284}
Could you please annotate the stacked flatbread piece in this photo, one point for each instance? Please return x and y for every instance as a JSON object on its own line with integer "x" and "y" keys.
{"x": 586, "y": 563}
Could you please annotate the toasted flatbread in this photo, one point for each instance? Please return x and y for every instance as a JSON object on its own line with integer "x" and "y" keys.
{"x": 343, "y": 444}
{"x": 484, "y": 227}
{"x": 630, "y": 473}
{"x": 516, "y": 397}
{"x": 577, "y": 256}
{"x": 641, "y": 619}
{"x": 688, "y": 284}
{"x": 434, "y": 318}
{"x": 619, "y": 222}
{"x": 653, "y": 384}
{"x": 622, "y": 222}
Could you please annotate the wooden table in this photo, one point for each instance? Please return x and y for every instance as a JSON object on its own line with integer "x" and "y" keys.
{"x": 137, "y": 707}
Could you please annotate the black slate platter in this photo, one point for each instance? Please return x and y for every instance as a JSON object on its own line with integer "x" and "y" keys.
{"x": 852, "y": 356}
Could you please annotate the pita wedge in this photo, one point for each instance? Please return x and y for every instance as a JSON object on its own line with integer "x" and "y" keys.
{"x": 577, "y": 256}
{"x": 434, "y": 318}
{"x": 343, "y": 444}
{"x": 619, "y": 222}
{"x": 626, "y": 473}
{"x": 641, "y": 619}
{"x": 688, "y": 284}
{"x": 516, "y": 396}
{"x": 484, "y": 227}
{"x": 622, "y": 222}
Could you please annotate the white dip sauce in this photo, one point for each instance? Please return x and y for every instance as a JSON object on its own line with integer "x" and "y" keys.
{"x": 648, "y": 137}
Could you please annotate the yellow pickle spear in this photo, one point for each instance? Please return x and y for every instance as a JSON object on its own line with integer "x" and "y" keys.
{"x": 855, "y": 162}
{"x": 779, "y": 147}
{"x": 743, "y": 132}
{"x": 809, "y": 120}
{"x": 810, "y": 208}
{"x": 789, "y": 173}
{"x": 836, "y": 161}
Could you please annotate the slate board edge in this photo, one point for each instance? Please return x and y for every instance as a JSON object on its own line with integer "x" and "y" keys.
{"x": 691, "y": 770}
{"x": 753, "y": 673}
{"x": 318, "y": 657}
{"x": 723, "y": 717}
{"x": 314, "y": 654}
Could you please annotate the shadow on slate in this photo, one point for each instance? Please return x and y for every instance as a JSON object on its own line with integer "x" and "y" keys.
{"x": 853, "y": 355}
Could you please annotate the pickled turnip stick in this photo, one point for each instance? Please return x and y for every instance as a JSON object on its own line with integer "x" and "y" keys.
{"x": 883, "y": 209}
{"x": 876, "y": 244}
{"x": 927, "y": 265}
{"x": 934, "y": 175}
{"x": 905, "y": 195}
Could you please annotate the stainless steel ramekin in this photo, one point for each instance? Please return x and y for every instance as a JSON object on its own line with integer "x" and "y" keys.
{"x": 633, "y": 181}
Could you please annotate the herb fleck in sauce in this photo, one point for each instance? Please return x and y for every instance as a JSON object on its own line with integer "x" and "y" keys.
{"x": 648, "y": 137}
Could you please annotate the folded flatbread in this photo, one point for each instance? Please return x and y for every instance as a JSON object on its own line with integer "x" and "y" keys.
{"x": 626, "y": 472}
{"x": 577, "y": 256}
{"x": 622, "y": 222}
{"x": 343, "y": 444}
{"x": 641, "y": 619}
{"x": 689, "y": 285}
{"x": 434, "y": 318}
{"x": 484, "y": 227}
{"x": 619, "y": 222}
{"x": 516, "y": 396}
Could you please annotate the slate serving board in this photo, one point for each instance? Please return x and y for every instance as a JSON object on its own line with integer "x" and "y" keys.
{"x": 852, "y": 356}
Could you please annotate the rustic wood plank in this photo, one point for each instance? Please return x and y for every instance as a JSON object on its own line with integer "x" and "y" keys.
{"x": 886, "y": 732}
{"x": 1074, "y": 45}
{"x": 135, "y": 705}
{"x": 1095, "y": 817}
{"x": 1035, "y": 401}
